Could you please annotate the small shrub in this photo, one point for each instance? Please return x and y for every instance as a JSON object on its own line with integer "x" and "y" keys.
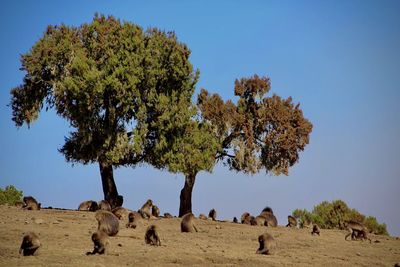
{"x": 10, "y": 195}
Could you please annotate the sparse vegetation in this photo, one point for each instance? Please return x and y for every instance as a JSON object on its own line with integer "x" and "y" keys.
{"x": 333, "y": 215}
{"x": 10, "y": 195}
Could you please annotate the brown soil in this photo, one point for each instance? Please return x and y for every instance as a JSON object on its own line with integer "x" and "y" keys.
{"x": 66, "y": 237}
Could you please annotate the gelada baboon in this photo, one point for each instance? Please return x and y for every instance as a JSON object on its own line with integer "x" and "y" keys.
{"x": 202, "y": 216}
{"x": 315, "y": 230}
{"x": 100, "y": 242}
{"x": 212, "y": 214}
{"x": 168, "y": 215}
{"x": 267, "y": 244}
{"x": 155, "y": 211}
{"x": 89, "y": 205}
{"x": 108, "y": 222}
{"x": 356, "y": 230}
{"x": 104, "y": 205}
{"x": 187, "y": 223}
{"x": 151, "y": 237}
{"x": 30, "y": 203}
{"x": 259, "y": 220}
{"x": 133, "y": 219}
{"x": 30, "y": 243}
{"x": 245, "y": 218}
{"x": 120, "y": 212}
{"x": 292, "y": 222}
{"x": 270, "y": 220}
{"x": 145, "y": 210}
{"x": 235, "y": 220}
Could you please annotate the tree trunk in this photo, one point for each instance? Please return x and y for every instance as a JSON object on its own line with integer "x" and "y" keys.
{"x": 186, "y": 195}
{"x": 109, "y": 187}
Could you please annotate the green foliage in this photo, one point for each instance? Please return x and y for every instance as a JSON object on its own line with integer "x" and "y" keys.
{"x": 122, "y": 89}
{"x": 10, "y": 195}
{"x": 333, "y": 215}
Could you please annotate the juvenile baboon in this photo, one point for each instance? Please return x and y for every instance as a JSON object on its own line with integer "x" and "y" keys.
{"x": 30, "y": 243}
{"x": 235, "y": 220}
{"x": 292, "y": 222}
{"x": 155, "y": 211}
{"x": 202, "y": 216}
{"x": 212, "y": 214}
{"x": 145, "y": 210}
{"x": 267, "y": 243}
{"x": 356, "y": 229}
{"x": 151, "y": 237}
{"x": 187, "y": 223}
{"x": 30, "y": 203}
{"x": 245, "y": 218}
{"x": 168, "y": 215}
{"x": 315, "y": 230}
{"x": 121, "y": 213}
{"x": 100, "y": 242}
{"x": 104, "y": 205}
{"x": 89, "y": 205}
{"x": 133, "y": 219}
{"x": 270, "y": 220}
{"x": 108, "y": 222}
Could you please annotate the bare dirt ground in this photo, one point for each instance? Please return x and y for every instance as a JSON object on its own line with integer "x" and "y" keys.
{"x": 66, "y": 237}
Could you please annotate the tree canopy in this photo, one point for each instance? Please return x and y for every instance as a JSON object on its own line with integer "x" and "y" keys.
{"x": 123, "y": 90}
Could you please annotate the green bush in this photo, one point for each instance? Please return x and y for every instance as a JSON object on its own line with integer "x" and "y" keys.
{"x": 10, "y": 195}
{"x": 334, "y": 215}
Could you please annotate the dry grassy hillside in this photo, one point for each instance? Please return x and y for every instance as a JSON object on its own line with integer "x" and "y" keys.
{"x": 65, "y": 236}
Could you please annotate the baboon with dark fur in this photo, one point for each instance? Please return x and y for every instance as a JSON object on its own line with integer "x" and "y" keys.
{"x": 315, "y": 230}
{"x": 292, "y": 222}
{"x": 108, "y": 222}
{"x": 30, "y": 203}
{"x": 30, "y": 243}
{"x": 267, "y": 243}
{"x": 151, "y": 237}
{"x": 100, "y": 242}
{"x": 145, "y": 210}
{"x": 356, "y": 229}
{"x": 267, "y": 210}
{"x": 133, "y": 219}
{"x": 104, "y": 205}
{"x": 187, "y": 223}
{"x": 235, "y": 220}
{"x": 155, "y": 211}
{"x": 245, "y": 218}
{"x": 212, "y": 214}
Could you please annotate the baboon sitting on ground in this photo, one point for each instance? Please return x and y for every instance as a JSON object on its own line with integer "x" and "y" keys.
{"x": 30, "y": 243}
{"x": 187, "y": 223}
{"x": 315, "y": 230}
{"x": 100, "y": 242}
{"x": 155, "y": 211}
{"x": 108, "y": 222}
{"x": 145, "y": 210}
{"x": 267, "y": 243}
{"x": 104, "y": 205}
{"x": 151, "y": 237}
{"x": 212, "y": 214}
{"x": 133, "y": 219}
{"x": 292, "y": 222}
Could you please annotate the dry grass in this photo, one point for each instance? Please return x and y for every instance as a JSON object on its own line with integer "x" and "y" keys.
{"x": 65, "y": 236}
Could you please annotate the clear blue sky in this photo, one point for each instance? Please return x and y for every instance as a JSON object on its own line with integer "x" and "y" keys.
{"x": 339, "y": 59}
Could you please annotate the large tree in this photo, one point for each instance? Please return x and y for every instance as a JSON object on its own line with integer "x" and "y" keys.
{"x": 258, "y": 132}
{"x": 122, "y": 89}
